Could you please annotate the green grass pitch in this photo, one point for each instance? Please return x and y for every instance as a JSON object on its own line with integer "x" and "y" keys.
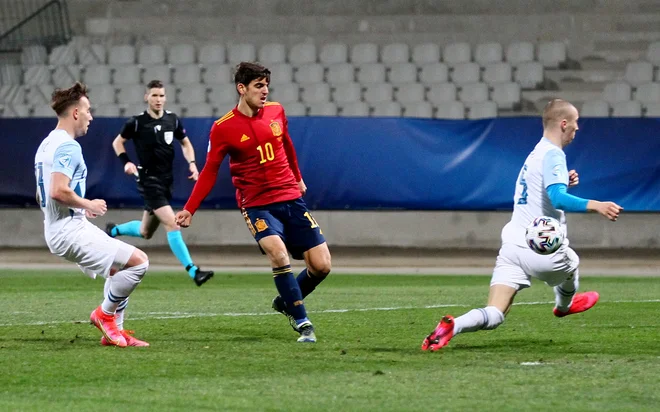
{"x": 221, "y": 347}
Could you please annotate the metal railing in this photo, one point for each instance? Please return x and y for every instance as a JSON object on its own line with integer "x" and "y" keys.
{"x": 33, "y": 22}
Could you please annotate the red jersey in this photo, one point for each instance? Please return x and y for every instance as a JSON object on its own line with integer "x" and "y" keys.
{"x": 262, "y": 160}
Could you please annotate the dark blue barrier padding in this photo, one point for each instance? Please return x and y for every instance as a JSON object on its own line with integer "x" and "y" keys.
{"x": 378, "y": 163}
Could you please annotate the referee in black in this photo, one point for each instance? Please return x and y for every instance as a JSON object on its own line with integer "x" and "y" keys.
{"x": 153, "y": 133}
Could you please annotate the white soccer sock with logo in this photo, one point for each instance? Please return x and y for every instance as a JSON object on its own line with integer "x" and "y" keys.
{"x": 121, "y": 285}
{"x": 483, "y": 318}
{"x": 565, "y": 291}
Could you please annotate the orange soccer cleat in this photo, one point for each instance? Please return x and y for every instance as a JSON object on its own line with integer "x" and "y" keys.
{"x": 106, "y": 324}
{"x": 441, "y": 335}
{"x": 130, "y": 340}
{"x": 581, "y": 302}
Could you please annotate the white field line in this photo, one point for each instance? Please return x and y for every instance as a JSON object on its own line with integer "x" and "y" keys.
{"x": 188, "y": 315}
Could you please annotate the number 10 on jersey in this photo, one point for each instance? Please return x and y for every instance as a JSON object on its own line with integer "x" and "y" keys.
{"x": 266, "y": 152}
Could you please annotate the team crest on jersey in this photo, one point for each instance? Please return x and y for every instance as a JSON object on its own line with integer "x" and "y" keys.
{"x": 276, "y": 128}
{"x": 169, "y": 136}
{"x": 261, "y": 225}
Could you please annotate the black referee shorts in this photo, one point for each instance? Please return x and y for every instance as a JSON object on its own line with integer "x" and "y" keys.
{"x": 156, "y": 191}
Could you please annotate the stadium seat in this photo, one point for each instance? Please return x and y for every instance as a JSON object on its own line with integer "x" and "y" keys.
{"x": 102, "y": 94}
{"x": 172, "y": 108}
{"x": 426, "y": 53}
{"x": 402, "y": 73}
{"x": 199, "y": 110}
{"x": 441, "y": 92}
{"x": 506, "y": 95}
{"x": 595, "y": 108}
{"x": 295, "y": 109}
{"x": 653, "y": 53}
{"x": 482, "y": 110}
{"x": 333, "y": 53}
{"x": 456, "y": 53}
{"x": 191, "y": 94}
{"x": 187, "y": 74}
{"x": 409, "y": 93}
{"x": 160, "y": 72}
{"x": 12, "y": 94}
{"x": 529, "y": 75}
{"x": 648, "y": 93}
{"x": 130, "y": 93}
{"x": 434, "y": 73}
{"x": 10, "y": 74}
{"x": 62, "y": 55}
{"x": 340, "y": 73}
{"x": 386, "y": 109}
{"x": 309, "y": 73}
{"x": 315, "y": 93}
{"x": 551, "y": 54}
{"x": 364, "y": 53}
{"x": 279, "y": 73}
{"x": 42, "y": 110}
{"x": 221, "y": 95}
{"x": 241, "y": 52}
{"x": 121, "y": 54}
{"x": 151, "y": 55}
{"x": 617, "y": 92}
{"x": 422, "y": 110}
{"x": 495, "y": 73}
{"x": 217, "y": 74}
{"x": 376, "y": 93}
{"x": 395, "y": 53}
{"x": 35, "y": 54}
{"x": 322, "y": 109}
{"x": 627, "y": 109}
{"x": 92, "y": 54}
{"x": 486, "y": 53}
{"x": 39, "y": 94}
{"x": 36, "y": 74}
{"x": 450, "y": 110}
{"x": 272, "y": 53}
{"x": 285, "y": 93}
{"x": 212, "y": 54}
{"x": 652, "y": 110}
{"x": 638, "y": 73}
{"x": 65, "y": 76}
{"x": 97, "y": 74}
{"x": 127, "y": 74}
{"x": 371, "y": 73}
{"x": 15, "y": 111}
{"x": 180, "y": 54}
{"x": 134, "y": 109}
{"x": 302, "y": 53}
{"x": 106, "y": 110}
{"x": 464, "y": 73}
{"x": 520, "y": 52}
{"x": 343, "y": 93}
{"x": 473, "y": 93}
{"x": 354, "y": 109}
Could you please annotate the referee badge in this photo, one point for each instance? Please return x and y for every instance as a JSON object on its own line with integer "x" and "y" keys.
{"x": 169, "y": 136}
{"x": 276, "y": 128}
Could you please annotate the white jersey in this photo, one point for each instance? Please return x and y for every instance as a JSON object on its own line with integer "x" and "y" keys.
{"x": 545, "y": 166}
{"x": 59, "y": 152}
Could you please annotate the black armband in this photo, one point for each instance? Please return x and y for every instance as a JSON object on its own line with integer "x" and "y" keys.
{"x": 124, "y": 158}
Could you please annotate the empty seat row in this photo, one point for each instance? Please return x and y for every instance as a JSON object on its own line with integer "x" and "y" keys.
{"x": 622, "y": 92}
{"x": 601, "y": 108}
{"x": 550, "y": 54}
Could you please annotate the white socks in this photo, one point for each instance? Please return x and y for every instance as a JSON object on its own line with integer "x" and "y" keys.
{"x": 483, "y": 318}
{"x": 121, "y": 285}
{"x": 565, "y": 291}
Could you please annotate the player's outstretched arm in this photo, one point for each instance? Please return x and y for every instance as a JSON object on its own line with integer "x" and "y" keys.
{"x": 61, "y": 192}
{"x": 609, "y": 210}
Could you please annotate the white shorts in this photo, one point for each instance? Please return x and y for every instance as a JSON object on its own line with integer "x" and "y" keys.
{"x": 92, "y": 249}
{"x": 517, "y": 264}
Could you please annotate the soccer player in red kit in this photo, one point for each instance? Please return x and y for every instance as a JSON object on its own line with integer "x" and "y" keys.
{"x": 269, "y": 190}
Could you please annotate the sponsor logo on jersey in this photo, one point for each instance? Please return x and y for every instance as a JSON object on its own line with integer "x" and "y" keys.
{"x": 245, "y": 138}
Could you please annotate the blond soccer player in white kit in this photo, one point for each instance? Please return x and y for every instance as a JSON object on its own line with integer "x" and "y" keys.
{"x": 540, "y": 191}
{"x": 61, "y": 174}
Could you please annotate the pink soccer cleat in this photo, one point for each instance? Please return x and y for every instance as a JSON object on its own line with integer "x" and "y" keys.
{"x": 106, "y": 324}
{"x": 441, "y": 335}
{"x": 581, "y": 302}
{"x": 130, "y": 340}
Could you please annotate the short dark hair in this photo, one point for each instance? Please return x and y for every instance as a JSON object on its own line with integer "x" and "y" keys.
{"x": 248, "y": 71}
{"x": 63, "y": 99}
{"x": 155, "y": 84}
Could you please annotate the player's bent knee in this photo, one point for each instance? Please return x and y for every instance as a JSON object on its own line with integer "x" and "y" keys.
{"x": 321, "y": 267}
{"x": 494, "y": 317}
{"x": 138, "y": 257}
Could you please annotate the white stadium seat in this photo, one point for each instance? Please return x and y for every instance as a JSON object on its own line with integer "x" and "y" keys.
{"x": 12, "y": 94}
{"x": 40, "y": 94}
{"x": 386, "y": 109}
{"x": 456, "y": 53}
{"x": 217, "y": 74}
{"x": 520, "y": 52}
{"x": 409, "y": 93}
{"x": 426, "y": 53}
{"x": 354, "y": 109}
{"x": 240, "y": 52}
{"x": 199, "y": 110}
{"x": 422, "y": 110}
{"x": 97, "y": 74}
{"x": 272, "y": 53}
{"x": 62, "y": 55}
{"x": 134, "y": 109}
{"x": 529, "y": 75}
{"x": 434, "y": 73}
{"x": 36, "y": 74}
{"x": 486, "y": 53}
{"x": 395, "y": 53}
{"x": 322, "y": 109}
{"x": 121, "y": 54}
{"x": 65, "y": 76}
{"x": 506, "y": 95}
{"x": 127, "y": 74}
{"x": 10, "y": 74}
{"x": 151, "y": 55}
{"x": 371, "y": 73}
{"x": 15, "y": 111}
{"x": 341, "y": 73}
{"x": 315, "y": 93}
{"x": 652, "y": 110}
{"x": 92, "y": 54}
{"x": 648, "y": 93}
{"x": 160, "y": 72}
{"x": 495, "y": 73}
{"x": 595, "y": 108}
{"x": 552, "y": 54}
{"x": 333, "y": 53}
{"x": 302, "y": 53}
{"x": 295, "y": 109}
{"x": 130, "y": 93}
{"x": 35, "y": 54}
{"x": 191, "y": 94}
{"x": 376, "y": 93}
{"x": 285, "y": 92}
{"x": 482, "y": 110}
{"x": 638, "y": 73}
{"x": 222, "y": 94}
{"x": 187, "y": 74}
{"x": 43, "y": 110}
{"x": 181, "y": 54}
{"x": 309, "y": 73}
{"x": 627, "y": 109}
{"x": 346, "y": 93}
{"x": 473, "y": 93}
{"x": 617, "y": 92}
{"x": 212, "y": 54}
{"x": 450, "y": 110}
{"x": 464, "y": 73}
{"x": 106, "y": 110}
{"x": 441, "y": 92}
{"x": 402, "y": 73}
{"x": 101, "y": 94}
{"x": 364, "y": 53}
{"x": 653, "y": 53}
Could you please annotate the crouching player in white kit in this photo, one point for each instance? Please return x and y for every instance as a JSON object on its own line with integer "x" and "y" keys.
{"x": 61, "y": 178}
{"x": 540, "y": 191}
